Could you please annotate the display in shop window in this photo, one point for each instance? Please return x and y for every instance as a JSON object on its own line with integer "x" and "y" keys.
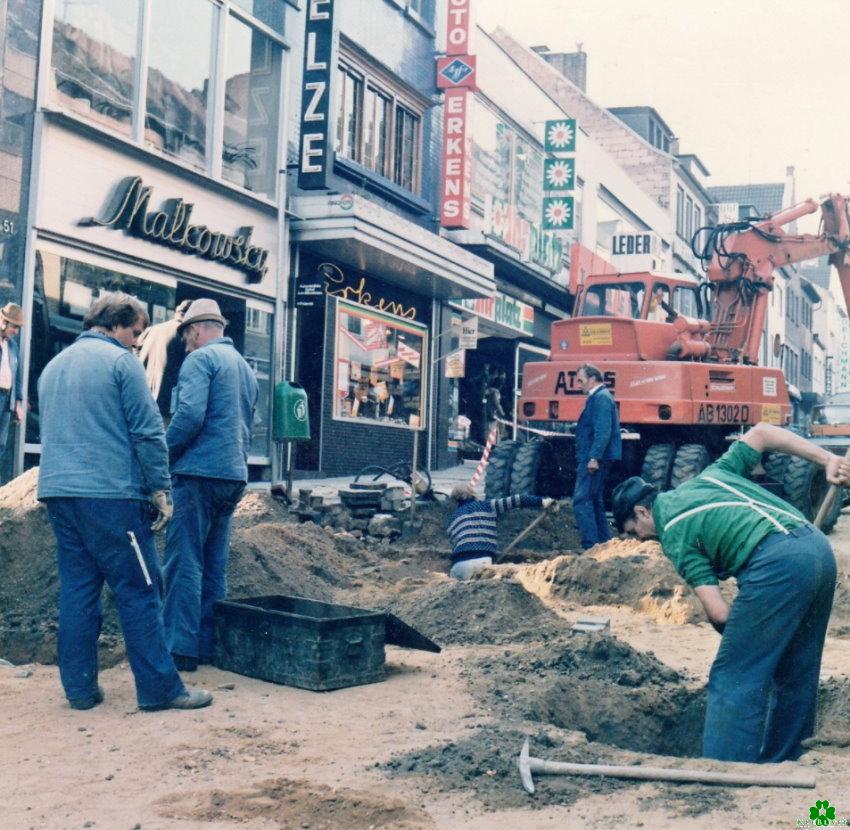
{"x": 379, "y": 367}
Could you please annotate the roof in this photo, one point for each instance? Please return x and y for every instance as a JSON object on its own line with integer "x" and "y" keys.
{"x": 767, "y": 198}
{"x": 642, "y": 110}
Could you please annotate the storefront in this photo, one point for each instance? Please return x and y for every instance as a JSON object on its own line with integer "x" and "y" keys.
{"x": 371, "y": 327}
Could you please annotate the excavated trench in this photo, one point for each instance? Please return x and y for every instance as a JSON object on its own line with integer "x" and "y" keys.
{"x": 602, "y": 687}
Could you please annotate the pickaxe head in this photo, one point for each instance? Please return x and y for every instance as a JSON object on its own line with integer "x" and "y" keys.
{"x": 525, "y": 769}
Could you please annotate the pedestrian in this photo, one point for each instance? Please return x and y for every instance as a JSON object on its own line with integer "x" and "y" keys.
{"x": 11, "y": 374}
{"x": 762, "y": 687}
{"x": 209, "y": 438}
{"x": 494, "y": 414}
{"x": 598, "y": 444}
{"x": 472, "y": 528}
{"x": 104, "y": 462}
{"x": 162, "y": 351}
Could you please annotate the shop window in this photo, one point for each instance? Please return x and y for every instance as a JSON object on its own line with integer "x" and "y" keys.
{"x": 179, "y": 79}
{"x": 377, "y": 126}
{"x": 251, "y": 108}
{"x": 63, "y": 292}
{"x": 379, "y": 370}
{"x": 94, "y": 60}
{"x": 258, "y": 354}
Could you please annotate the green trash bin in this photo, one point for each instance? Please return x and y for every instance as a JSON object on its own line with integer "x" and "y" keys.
{"x": 290, "y": 415}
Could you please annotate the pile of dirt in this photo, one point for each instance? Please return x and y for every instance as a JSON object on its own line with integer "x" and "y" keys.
{"x": 486, "y": 763}
{"x": 283, "y": 802}
{"x": 833, "y": 720}
{"x": 600, "y": 686}
{"x": 620, "y": 572}
{"x": 481, "y": 611}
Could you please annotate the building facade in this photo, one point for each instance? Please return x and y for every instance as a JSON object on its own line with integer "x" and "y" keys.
{"x": 155, "y": 171}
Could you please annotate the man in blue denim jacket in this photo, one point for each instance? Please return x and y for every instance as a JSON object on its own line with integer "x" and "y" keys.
{"x": 103, "y": 463}
{"x": 208, "y": 439}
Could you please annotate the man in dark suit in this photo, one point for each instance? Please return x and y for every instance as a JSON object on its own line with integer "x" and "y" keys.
{"x": 598, "y": 443}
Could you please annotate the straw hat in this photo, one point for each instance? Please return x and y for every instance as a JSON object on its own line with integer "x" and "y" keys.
{"x": 201, "y": 311}
{"x": 12, "y": 313}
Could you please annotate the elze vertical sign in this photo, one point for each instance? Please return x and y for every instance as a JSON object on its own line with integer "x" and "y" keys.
{"x": 456, "y": 75}
{"x": 314, "y": 156}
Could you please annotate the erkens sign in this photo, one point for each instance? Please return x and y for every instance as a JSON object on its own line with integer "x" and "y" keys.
{"x": 456, "y": 74}
{"x": 314, "y": 156}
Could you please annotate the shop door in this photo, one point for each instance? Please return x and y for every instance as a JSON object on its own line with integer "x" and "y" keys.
{"x": 524, "y": 354}
{"x": 309, "y": 353}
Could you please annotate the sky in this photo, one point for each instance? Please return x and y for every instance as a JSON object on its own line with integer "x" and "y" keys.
{"x": 749, "y": 86}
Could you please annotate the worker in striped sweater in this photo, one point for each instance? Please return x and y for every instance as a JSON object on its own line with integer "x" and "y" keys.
{"x": 472, "y": 528}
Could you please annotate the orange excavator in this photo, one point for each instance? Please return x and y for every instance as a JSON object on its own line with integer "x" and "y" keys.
{"x": 680, "y": 357}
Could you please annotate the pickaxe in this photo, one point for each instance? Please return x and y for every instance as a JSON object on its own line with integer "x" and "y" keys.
{"x": 529, "y": 764}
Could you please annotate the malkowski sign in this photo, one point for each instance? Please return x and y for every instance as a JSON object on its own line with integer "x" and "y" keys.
{"x": 314, "y": 156}
{"x": 456, "y": 75}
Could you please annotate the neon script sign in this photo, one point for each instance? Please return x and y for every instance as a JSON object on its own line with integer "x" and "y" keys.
{"x": 170, "y": 226}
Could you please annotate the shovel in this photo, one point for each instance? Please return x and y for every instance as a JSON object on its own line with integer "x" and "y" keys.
{"x": 828, "y": 499}
{"x": 555, "y": 505}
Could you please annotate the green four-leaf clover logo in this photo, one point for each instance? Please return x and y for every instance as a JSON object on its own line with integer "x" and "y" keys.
{"x": 822, "y": 813}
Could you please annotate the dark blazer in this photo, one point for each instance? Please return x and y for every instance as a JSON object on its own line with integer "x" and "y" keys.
{"x": 598, "y": 429}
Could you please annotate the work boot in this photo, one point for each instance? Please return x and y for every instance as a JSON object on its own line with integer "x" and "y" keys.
{"x": 194, "y": 699}
{"x": 87, "y": 702}
{"x": 184, "y": 663}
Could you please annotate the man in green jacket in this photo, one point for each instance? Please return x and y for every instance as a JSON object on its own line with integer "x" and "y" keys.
{"x": 762, "y": 688}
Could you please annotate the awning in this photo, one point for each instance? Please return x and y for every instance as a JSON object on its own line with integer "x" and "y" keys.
{"x": 376, "y": 241}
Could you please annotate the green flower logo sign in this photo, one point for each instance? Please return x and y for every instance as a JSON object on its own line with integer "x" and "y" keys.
{"x": 822, "y": 813}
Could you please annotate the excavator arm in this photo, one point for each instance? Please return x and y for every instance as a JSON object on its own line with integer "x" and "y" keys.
{"x": 741, "y": 258}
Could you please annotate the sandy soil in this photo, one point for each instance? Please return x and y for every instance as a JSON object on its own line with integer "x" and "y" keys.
{"x": 434, "y": 744}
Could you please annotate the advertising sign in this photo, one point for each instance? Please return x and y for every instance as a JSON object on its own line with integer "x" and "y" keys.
{"x": 456, "y": 364}
{"x": 455, "y": 201}
{"x": 314, "y": 156}
{"x": 469, "y": 333}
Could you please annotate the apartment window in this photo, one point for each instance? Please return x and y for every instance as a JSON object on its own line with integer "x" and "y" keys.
{"x": 179, "y": 79}
{"x": 94, "y": 60}
{"x": 697, "y": 218}
{"x": 94, "y": 72}
{"x": 689, "y": 218}
{"x": 680, "y": 211}
{"x": 251, "y": 108}
{"x": 377, "y": 126}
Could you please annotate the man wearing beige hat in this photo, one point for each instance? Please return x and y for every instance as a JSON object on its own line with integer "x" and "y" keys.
{"x": 208, "y": 442}
{"x": 11, "y": 376}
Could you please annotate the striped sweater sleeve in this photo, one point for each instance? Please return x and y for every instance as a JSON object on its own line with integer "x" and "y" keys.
{"x": 512, "y": 502}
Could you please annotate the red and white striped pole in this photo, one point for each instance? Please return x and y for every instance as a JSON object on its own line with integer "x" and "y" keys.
{"x": 482, "y": 464}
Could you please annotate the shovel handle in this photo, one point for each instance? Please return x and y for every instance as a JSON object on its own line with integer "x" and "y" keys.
{"x": 828, "y": 499}
{"x": 528, "y": 530}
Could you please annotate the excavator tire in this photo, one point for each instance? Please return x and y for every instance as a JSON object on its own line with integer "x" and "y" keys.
{"x": 775, "y": 466}
{"x": 804, "y": 486}
{"x": 690, "y": 461}
{"x": 498, "y": 478}
{"x": 657, "y": 465}
{"x": 526, "y": 466}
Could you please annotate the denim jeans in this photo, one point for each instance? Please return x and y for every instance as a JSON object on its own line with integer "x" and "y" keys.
{"x": 195, "y": 567}
{"x": 589, "y": 504}
{"x": 5, "y": 419}
{"x": 92, "y": 545}
{"x": 762, "y": 688}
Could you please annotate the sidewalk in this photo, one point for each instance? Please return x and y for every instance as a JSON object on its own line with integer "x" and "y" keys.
{"x": 441, "y": 480}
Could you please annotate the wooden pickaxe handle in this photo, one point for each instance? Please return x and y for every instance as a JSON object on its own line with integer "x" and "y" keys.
{"x": 828, "y": 499}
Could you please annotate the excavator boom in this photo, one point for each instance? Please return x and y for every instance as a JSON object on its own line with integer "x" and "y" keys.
{"x": 742, "y": 258}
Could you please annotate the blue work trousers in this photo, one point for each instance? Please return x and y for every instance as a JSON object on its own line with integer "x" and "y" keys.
{"x": 93, "y": 546}
{"x": 195, "y": 566}
{"x": 589, "y": 504}
{"x": 762, "y": 688}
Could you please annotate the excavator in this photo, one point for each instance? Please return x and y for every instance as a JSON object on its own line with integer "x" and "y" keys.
{"x": 680, "y": 356}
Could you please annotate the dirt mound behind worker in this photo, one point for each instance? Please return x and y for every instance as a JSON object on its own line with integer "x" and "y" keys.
{"x": 645, "y": 581}
{"x": 478, "y": 611}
